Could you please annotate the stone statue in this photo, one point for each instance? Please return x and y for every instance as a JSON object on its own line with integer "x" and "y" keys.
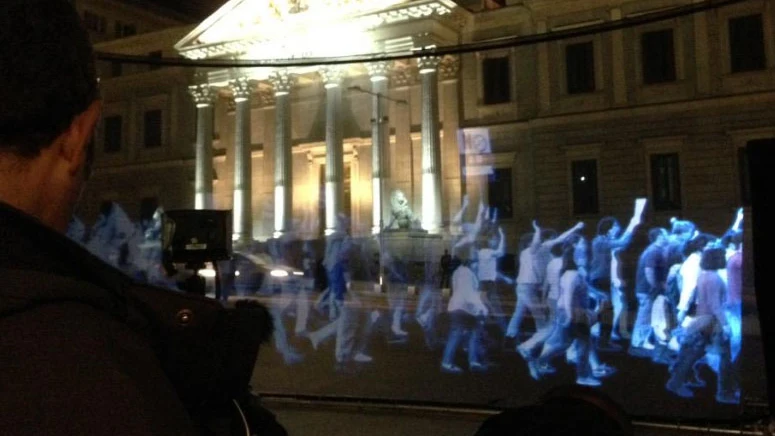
{"x": 402, "y": 217}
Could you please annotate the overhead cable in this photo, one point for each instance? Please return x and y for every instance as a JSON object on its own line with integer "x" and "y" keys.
{"x": 471, "y": 47}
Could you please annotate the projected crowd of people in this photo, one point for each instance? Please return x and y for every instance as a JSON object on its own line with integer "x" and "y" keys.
{"x": 668, "y": 292}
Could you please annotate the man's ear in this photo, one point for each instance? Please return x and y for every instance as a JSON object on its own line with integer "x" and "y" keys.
{"x": 76, "y": 138}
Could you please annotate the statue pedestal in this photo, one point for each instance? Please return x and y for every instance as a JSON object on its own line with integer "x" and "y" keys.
{"x": 419, "y": 249}
{"x": 413, "y": 245}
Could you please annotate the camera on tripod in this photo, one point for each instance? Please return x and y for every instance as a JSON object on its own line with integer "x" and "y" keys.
{"x": 194, "y": 238}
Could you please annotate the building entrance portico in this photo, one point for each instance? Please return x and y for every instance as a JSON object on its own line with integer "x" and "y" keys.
{"x": 315, "y": 112}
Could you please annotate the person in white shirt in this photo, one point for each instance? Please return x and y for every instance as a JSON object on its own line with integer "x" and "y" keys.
{"x": 551, "y": 292}
{"x": 571, "y": 324}
{"x": 466, "y": 310}
{"x": 487, "y": 273}
{"x": 690, "y": 272}
{"x": 533, "y": 260}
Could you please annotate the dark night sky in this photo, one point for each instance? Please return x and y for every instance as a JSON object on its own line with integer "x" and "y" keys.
{"x": 198, "y": 9}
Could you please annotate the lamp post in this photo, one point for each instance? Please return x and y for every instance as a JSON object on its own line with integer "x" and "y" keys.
{"x": 379, "y": 122}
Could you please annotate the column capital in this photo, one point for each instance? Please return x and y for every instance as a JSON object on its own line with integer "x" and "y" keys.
{"x": 449, "y": 67}
{"x": 203, "y": 94}
{"x": 428, "y": 64}
{"x": 266, "y": 97}
{"x": 331, "y": 76}
{"x": 242, "y": 88}
{"x": 378, "y": 70}
{"x": 282, "y": 81}
{"x": 402, "y": 77}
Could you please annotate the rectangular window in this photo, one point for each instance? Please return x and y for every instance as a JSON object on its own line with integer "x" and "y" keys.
{"x": 658, "y": 56}
{"x": 665, "y": 181}
{"x": 584, "y": 185}
{"x": 154, "y": 55}
{"x": 113, "y": 134}
{"x": 746, "y": 43}
{"x": 496, "y": 80}
{"x": 152, "y": 128}
{"x": 580, "y": 67}
{"x": 499, "y": 192}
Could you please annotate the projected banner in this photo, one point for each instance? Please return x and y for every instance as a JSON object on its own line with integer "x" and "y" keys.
{"x": 475, "y": 147}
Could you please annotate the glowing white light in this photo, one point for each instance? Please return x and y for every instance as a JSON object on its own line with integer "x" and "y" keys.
{"x": 278, "y": 273}
{"x": 208, "y": 273}
{"x": 240, "y": 99}
{"x": 298, "y": 273}
{"x": 236, "y": 273}
{"x": 583, "y": 178}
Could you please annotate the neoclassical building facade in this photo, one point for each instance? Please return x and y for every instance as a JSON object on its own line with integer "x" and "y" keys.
{"x": 559, "y": 131}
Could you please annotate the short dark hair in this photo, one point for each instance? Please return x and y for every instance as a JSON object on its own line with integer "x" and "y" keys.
{"x": 713, "y": 259}
{"x": 681, "y": 227}
{"x": 606, "y": 224}
{"x": 48, "y": 75}
{"x": 568, "y": 259}
{"x": 656, "y": 232}
{"x": 697, "y": 243}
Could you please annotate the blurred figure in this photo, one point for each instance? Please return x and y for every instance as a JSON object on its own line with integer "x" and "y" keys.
{"x": 532, "y": 266}
{"x": 345, "y": 325}
{"x": 445, "y": 265}
{"x": 466, "y": 312}
{"x": 487, "y": 273}
{"x": 607, "y": 240}
{"x": 572, "y": 324}
{"x": 709, "y": 326}
{"x": 650, "y": 281}
{"x": 76, "y": 230}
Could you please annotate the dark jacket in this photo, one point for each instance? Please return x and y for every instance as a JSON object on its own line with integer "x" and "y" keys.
{"x": 83, "y": 350}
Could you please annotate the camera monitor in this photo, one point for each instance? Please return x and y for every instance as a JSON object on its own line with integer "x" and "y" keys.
{"x": 193, "y": 236}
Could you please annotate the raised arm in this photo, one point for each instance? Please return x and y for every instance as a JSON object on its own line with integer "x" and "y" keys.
{"x": 624, "y": 240}
{"x": 564, "y": 236}
{"x": 470, "y": 237}
{"x": 501, "y": 250}
{"x": 458, "y": 218}
{"x": 738, "y": 220}
{"x": 535, "y": 243}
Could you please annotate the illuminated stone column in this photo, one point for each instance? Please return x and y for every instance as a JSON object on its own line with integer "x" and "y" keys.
{"x": 332, "y": 80}
{"x": 204, "y": 98}
{"x": 378, "y": 72}
{"x": 283, "y": 159}
{"x": 431, "y": 154}
{"x": 242, "y": 210}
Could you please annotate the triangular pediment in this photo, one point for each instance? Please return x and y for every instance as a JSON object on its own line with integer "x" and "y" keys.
{"x": 292, "y": 29}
